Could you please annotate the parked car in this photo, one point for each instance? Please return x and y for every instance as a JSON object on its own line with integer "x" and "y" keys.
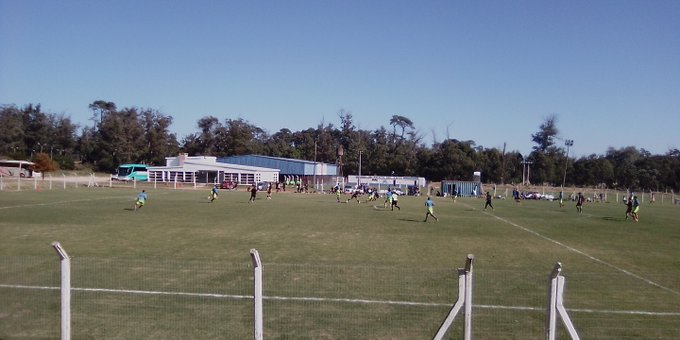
{"x": 548, "y": 197}
{"x": 398, "y": 191}
{"x": 349, "y": 189}
{"x": 229, "y": 185}
{"x": 533, "y": 196}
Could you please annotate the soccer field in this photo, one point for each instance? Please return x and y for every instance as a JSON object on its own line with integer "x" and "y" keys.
{"x": 180, "y": 267}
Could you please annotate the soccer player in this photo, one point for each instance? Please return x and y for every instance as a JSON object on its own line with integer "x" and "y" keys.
{"x": 488, "y": 201}
{"x": 372, "y": 195}
{"x": 269, "y": 191}
{"x": 515, "y": 195}
{"x": 395, "y": 201}
{"x": 355, "y": 196}
{"x": 337, "y": 194}
{"x": 629, "y": 206}
{"x": 579, "y": 202}
{"x": 213, "y": 193}
{"x": 430, "y": 209}
{"x": 388, "y": 198}
{"x": 561, "y": 198}
{"x": 141, "y": 200}
{"x": 253, "y": 193}
{"x": 636, "y": 209}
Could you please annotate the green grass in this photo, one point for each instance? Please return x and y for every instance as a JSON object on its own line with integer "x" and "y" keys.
{"x": 312, "y": 246}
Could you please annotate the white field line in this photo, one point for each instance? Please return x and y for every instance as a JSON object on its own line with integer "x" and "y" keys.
{"x": 128, "y": 198}
{"x": 670, "y": 290}
{"x": 61, "y": 202}
{"x": 337, "y": 300}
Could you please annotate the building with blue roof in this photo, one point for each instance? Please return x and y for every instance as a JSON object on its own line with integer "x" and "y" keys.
{"x": 290, "y": 170}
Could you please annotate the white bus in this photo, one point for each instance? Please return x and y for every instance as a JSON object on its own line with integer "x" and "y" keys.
{"x": 12, "y": 168}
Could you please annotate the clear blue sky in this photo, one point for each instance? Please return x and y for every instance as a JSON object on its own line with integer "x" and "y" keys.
{"x": 489, "y": 71}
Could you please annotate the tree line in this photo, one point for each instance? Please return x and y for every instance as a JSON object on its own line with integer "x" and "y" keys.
{"x": 142, "y": 135}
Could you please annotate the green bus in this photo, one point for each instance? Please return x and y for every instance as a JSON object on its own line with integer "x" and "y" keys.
{"x": 131, "y": 172}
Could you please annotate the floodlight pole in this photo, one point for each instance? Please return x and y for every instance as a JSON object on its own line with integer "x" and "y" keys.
{"x": 341, "y": 152}
{"x": 568, "y": 143}
{"x": 65, "y": 291}
{"x": 525, "y": 171}
{"x": 257, "y": 295}
{"x": 359, "y": 179}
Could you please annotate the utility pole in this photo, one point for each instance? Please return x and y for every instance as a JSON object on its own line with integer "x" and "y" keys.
{"x": 503, "y": 164}
{"x": 315, "y": 186}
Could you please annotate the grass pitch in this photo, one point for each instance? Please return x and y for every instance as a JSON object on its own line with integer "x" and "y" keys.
{"x": 180, "y": 266}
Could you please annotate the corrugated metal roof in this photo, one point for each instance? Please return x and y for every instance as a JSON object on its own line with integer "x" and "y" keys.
{"x": 203, "y": 167}
{"x": 211, "y": 164}
{"x": 287, "y": 166}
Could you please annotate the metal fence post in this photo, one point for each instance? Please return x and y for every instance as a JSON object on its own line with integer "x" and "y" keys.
{"x": 65, "y": 291}
{"x": 551, "y": 320}
{"x": 556, "y": 305}
{"x": 464, "y": 299}
{"x": 468, "y": 297}
{"x": 257, "y": 295}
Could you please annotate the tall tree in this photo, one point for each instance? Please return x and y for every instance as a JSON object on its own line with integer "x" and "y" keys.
{"x": 209, "y": 127}
{"x": 12, "y": 131}
{"x": 353, "y": 142}
{"x": 281, "y": 144}
{"x": 37, "y": 128}
{"x": 159, "y": 141}
{"x": 546, "y": 134}
{"x": 240, "y": 137}
{"x": 101, "y": 108}
{"x": 63, "y": 141}
{"x": 327, "y": 141}
{"x": 403, "y": 123}
{"x": 191, "y": 144}
{"x": 625, "y": 170}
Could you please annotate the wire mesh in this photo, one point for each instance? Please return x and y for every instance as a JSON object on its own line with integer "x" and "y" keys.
{"x": 130, "y": 298}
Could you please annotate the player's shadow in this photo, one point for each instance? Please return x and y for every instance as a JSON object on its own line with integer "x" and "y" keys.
{"x": 129, "y": 209}
{"x": 410, "y": 220}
